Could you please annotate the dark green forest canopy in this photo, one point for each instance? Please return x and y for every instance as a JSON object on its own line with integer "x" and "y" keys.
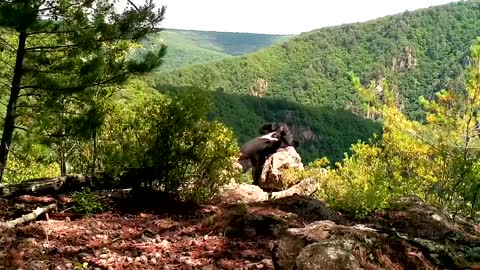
{"x": 419, "y": 52}
{"x": 321, "y": 131}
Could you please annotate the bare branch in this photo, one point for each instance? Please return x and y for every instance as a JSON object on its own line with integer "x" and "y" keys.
{"x": 131, "y": 3}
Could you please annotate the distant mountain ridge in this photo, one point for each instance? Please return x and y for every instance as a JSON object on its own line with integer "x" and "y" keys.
{"x": 187, "y": 47}
{"x": 419, "y": 52}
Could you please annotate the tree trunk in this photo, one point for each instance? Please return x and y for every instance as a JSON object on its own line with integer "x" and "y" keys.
{"x": 9, "y": 124}
{"x": 63, "y": 167}
{"x": 49, "y": 186}
{"x": 94, "y": 163}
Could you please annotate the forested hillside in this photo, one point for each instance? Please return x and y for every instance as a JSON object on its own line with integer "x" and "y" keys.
{"x": 418, "y": 52}
{"x": 186, "y": 47}
{"x": 321, "y": 131}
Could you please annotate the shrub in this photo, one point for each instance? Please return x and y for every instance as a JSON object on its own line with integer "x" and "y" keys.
{"x": 26, "y": 167}
{"x": 170, "y": 139}
{"x": 86, "y": 202}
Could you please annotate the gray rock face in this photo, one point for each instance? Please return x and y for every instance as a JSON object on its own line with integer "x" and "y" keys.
{"x": 316, "y": 247}
{"x": 331, "y": 255}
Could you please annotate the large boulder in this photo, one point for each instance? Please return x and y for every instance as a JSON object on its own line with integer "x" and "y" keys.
{"x": 233, "y": 192}
{"x": 273, "y": 178}
{"x": 316, "y": 247}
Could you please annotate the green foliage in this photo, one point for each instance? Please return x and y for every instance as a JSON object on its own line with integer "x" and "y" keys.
{"x": 27, "y": 166}
{"x": 86, "y": 202}
{"x": 58, "y": 54}
{"x": 437, "y": 160}
{"x": 420, "y": 52}
{"x": 187, "y": 47}
{"x": 320, "y": 131}
{"x": 169, "y": 136}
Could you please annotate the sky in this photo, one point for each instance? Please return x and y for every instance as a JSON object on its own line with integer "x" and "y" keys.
{"x": 278, "y": 16}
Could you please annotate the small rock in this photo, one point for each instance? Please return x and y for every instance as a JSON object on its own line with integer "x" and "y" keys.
{"x": 153, "y": 261}
{"x": 69, "y": 265}
{"x": 259, "y": 266}
{"x": 144, "y": 258}
{"x": 268, "y": 263}
{"x": 129, "y": 259}
{"x": 164, "y": 244}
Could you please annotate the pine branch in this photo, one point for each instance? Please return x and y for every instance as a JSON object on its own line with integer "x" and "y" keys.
{"x": 76, "y": 87}
{"x": 58, "y": 32}
{"x": 54, "y": 48}
{"x": 29, "y": 95}
{"x": 6, "y": 63}
{"x": 64, "y": 47}
{"x": 5, "y": 84}
{"x": 8, "y": 44}
{"x": 131, "y": 3}
{"x": 21, "y": 128}
{"x": 48, "y": 72}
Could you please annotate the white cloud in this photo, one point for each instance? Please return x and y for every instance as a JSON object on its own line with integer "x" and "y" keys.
{"x": 278, "y": 16}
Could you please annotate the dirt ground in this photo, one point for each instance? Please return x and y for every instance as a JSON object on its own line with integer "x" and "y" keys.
{"x": 154, "y": 233}
{"x": 159, "y": 233}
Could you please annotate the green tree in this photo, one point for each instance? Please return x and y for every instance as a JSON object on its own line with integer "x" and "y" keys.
{"x": 165, "y": 142}
{"x": 63, "y": 47}
{"x": 437, "y": 159}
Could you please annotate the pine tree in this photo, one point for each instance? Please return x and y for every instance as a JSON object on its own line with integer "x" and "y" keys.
{"x": 63, "y": 47}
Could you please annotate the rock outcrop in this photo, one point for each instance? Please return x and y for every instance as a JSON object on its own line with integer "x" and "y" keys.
{"x": 394, "y": 239}
{"x": 313, "y": 247}
{"x": 245, "y": 193}
{"x": 272, "y": 178}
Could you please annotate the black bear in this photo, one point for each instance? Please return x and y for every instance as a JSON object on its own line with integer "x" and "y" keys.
{"x": 275, "y": 136}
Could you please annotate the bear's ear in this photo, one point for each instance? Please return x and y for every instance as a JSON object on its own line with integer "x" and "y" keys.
{"x": 267, "y": 128}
